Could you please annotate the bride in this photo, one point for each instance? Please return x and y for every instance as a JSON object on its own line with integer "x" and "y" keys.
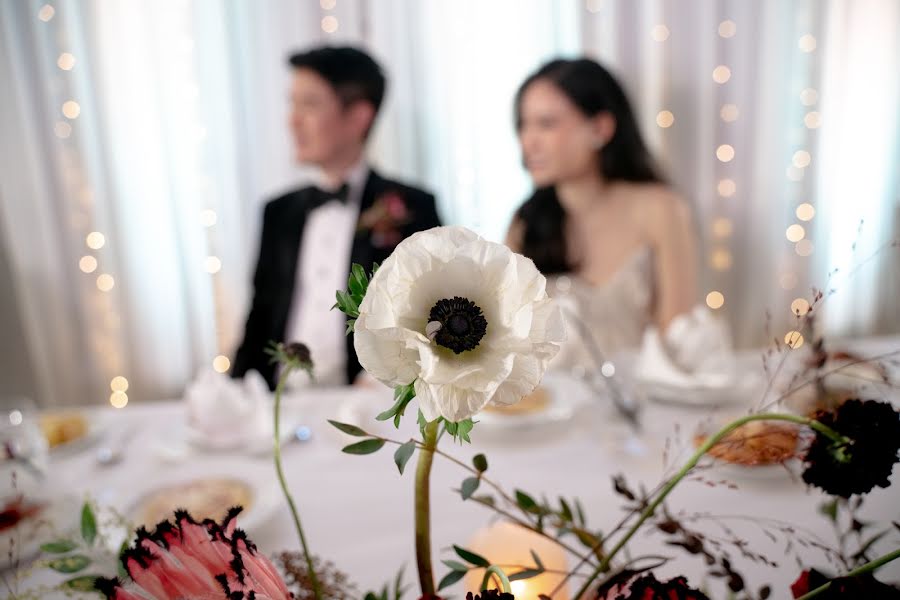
{"x": 613, "y": 239}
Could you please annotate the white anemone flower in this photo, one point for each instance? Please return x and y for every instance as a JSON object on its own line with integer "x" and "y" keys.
{"x": 467, "y": 319}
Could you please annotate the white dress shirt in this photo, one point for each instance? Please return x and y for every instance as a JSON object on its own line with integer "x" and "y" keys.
{"x": 322, "y": 268}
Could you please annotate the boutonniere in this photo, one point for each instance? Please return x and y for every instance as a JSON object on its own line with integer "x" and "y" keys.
{"x": 384, "y": 219}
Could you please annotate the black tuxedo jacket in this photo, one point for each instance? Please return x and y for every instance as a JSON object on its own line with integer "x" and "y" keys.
{"x": 284, "y": 219}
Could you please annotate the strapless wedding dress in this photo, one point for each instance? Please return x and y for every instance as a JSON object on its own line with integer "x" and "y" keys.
{"x": 617, "y": 312}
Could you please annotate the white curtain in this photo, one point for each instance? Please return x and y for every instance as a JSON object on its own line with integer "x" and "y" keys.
{"x": 180, "y": 136}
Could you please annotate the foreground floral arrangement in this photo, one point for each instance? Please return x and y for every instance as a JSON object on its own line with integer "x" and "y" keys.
{"x": 458, "y": 323}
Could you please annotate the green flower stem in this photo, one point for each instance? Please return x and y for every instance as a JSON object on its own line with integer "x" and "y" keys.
{"x": 423, "y": 509}
{"x": 691, "y": 463}
{"x": 866, "y": 568}
{"x": 287, "y": 369}
{"x": 495, "y": 570}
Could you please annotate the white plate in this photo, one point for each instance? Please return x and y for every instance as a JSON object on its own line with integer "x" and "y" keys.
{"x": 98, "y": 424}
{"x": 742, "y": 391}
{"x": 565, "y": 396}
{"x": 265, "y": 499}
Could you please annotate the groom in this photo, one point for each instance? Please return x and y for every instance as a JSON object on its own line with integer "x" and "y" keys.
{"x": 311, "y": 236}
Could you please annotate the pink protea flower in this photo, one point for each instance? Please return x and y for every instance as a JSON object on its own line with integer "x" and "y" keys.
{"x": 195, "y": 560}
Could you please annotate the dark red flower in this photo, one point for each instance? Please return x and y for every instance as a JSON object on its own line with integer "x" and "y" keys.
{"x": 867, "y": 461}
{"x": 647, "y": 587}
{"x": 843, "y": 588}
{"x": 490, "y": 595}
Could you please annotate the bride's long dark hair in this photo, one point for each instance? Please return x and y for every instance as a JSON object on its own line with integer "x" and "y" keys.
{"x": 625, "y": 157}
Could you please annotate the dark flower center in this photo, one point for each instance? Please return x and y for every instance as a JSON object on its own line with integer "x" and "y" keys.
{"x": 457, "y": 323}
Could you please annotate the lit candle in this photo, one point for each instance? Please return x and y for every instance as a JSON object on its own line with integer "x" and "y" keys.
{"x": 509, "y": 547}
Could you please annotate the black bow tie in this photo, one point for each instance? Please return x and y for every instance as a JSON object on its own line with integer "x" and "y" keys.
{"x": 321, "y": 196}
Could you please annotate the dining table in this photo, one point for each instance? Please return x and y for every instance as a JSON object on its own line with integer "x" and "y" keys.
{"x": 358, "y": 510}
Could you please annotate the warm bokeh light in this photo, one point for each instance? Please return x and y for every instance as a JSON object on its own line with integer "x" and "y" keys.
{"x": 65, "y": 61}
{"x": 725, "y": 153}
{"x": 801, "y": 159}
{"x": 806, "y": 211}
{"x": 809, "y": 96}
{"x": 221, "y": 364}
{"x": 726, "y": 188}
{"x": 71, "y": 109}
{"x": 795, "y": 233}
{"x": 62, "y": 130}
{"x": 804, "y": 248}
{"x": 720, "y": 259}
{"x": 665, "y": 119}
{"x": 212, "y": 264}
{"x": 87, "y": 264}
{"x": 105, "y": 282}
{"x": 660, "y": 33}
{"x": 46, "y": 13}
{"x": 793, "y": 339}
{"x": 722, "y": 227}
{"x": 807, "y": 43}
{"x": 721, "y": 74}
{"x": 608, "y": 369}
{"x": 729, "y": 112}
{"x": 95, "y": 240}
{"x": 329, "y": 24}
{"x": 593, "y": 5}
{"x": 715, "y": 299}
{"x": 800, "y": 306}
{"x": 727, "y": 28}
{"x": 208, "y": 217}
{"x": 812, "y": 120}
{"x": 118, "y": 399}
{"x": 327, "y": 4}
{"x": 118, "y": 384}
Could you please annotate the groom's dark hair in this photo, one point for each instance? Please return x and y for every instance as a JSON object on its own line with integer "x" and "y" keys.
{"x": 354, "y": 75}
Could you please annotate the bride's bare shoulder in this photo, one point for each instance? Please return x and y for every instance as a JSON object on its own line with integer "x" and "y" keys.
{"x": 659, "y": 208}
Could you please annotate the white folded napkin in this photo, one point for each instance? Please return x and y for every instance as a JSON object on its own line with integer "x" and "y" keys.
{"x": 227, "y": 413}
{"x": 694, "y": 352}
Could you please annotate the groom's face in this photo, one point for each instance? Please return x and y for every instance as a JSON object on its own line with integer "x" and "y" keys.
{"x": 323, "y": 129}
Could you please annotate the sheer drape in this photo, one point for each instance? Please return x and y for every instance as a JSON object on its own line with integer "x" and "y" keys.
{"x": 179, "y": 136}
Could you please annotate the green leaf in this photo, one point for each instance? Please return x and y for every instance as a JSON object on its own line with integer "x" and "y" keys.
{"x": 537, "y": 559}
{"x": 358, "y": 280}
{"x": 460, "y": 431}
{"x": 351, "y": 324}
{"x": 579, "y": 512}
{"x": 565, "y": 510}
{"x": 485, "y": 499}
{"x": 364, "y": 447}
{"x": 82, "y": 583}
{"x": 526, "y": 574}
{"x": 120, "y": 566}
{"x": 829, "y": 509}
{"x": 455, "y": 565}
{"x": 88, "y": 524}
{"x": 403, "y": 394}
{"x": 349, "y": 429}
{"x": 69, "y": 564}
{"x": 422, "y": 423}
{"x": 403, "y": 454}
{"x": 469, "y": 485}
{"x": 58, "y": 547}
{"x": 451, "y": 578}
{"x": 526, "y": 502}
{"x": 588, "y": 539}
{"x": 471, "y": 557}
{"x": 399, "y": 588}
{"x": 480, "y": 463}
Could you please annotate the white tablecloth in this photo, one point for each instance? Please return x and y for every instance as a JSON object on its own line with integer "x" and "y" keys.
{"x": 357, "y": 510}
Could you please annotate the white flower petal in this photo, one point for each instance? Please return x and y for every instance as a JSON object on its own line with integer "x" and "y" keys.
{"x": 524, "y": 329}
